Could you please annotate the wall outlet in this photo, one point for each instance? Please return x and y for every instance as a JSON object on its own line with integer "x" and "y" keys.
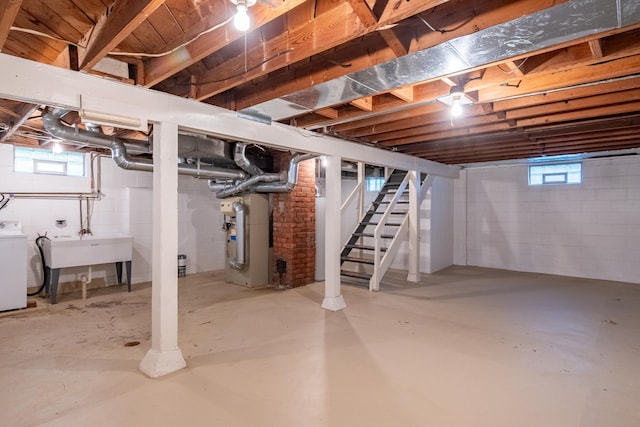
{"x": 61, "y": 222}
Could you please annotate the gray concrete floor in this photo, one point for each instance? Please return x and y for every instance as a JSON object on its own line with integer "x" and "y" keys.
{"x": 466, "y": 347}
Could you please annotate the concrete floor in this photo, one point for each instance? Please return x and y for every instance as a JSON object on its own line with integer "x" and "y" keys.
{"x": 466, "y": 347}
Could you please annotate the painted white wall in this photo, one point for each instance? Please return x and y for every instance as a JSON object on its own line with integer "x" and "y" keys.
{"x": 125, "y": 207}
{"x": 589, "y": 230}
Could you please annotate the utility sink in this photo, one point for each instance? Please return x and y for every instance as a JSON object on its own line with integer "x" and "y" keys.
{"x": 63, "y": 252}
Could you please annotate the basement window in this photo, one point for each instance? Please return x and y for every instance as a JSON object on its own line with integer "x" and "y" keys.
{"x": 375, "y": 184}
{"x": 39, "y": 161}
{"x": 560, "y": 173}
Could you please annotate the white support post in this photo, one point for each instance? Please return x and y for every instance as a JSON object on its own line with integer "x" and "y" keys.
{"x": 361, "y": 183}
{"x": 164, "y": 356}
{"x": 333, "y": 299}
{"x": 414, "y": 226}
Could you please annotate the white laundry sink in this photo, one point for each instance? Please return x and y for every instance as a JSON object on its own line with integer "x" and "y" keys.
{"x": 64, "y": 252}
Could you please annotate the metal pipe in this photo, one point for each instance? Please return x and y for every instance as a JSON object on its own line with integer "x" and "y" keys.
{"x": 240, "y": 157}
{"x": 240, "y": 211}
{"x": 292, "y": 176}
{"x": 53, "y": 125}
{"x": 247, "y": 183}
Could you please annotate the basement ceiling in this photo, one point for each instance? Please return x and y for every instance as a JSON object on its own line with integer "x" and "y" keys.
{"x": 543, "y": 77}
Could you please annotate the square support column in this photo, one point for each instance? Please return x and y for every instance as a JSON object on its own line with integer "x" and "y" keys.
{"x": 414, "y": 226}
{"x": 164, "y": 356}
{"x": 333, "y": 299}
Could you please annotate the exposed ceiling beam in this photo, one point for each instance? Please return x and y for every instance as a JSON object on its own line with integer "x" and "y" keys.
{"x": 8, "y": 11}
{"x": 364, "y": 12}
{"x": 451, "y": 14}
{"x": 328, "y": 30}
{"x": 158, "y": 69}
{"x": 22, "y": 114}
{"x": 113, "y": 27}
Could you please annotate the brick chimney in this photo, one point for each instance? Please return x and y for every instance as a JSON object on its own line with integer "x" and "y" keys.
{"x": 294, "y": 228}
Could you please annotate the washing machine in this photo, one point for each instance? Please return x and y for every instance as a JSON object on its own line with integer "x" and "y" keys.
{"x": 13, "y": 266}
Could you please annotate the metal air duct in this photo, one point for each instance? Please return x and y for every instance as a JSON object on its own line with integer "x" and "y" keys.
{"x": 53, "y": 125}
{"x": 292, "y": 176}
{"x": 563, "y": 23}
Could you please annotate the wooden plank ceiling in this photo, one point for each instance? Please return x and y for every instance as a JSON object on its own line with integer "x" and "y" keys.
{"x": 581, "y": 94}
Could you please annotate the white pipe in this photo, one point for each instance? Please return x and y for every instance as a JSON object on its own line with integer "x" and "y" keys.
{"x": 85, "y": 280}
{"x": 240, "y": 211}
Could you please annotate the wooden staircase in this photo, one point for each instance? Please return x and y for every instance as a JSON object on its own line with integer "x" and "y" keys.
{"x": 385, "y": 222}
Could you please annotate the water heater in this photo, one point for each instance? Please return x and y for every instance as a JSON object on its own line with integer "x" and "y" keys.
{"x": 246, "y": 222}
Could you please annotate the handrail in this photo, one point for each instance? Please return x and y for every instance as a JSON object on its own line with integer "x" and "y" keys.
{"x": 377, "y": 233}
{"x": 353, "y": 193}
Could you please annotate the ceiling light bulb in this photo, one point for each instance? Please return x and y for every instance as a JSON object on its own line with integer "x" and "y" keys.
{"x": 456, "y": 107}
{"x": 241, "y": 20}
{"x": 56, "y": 147}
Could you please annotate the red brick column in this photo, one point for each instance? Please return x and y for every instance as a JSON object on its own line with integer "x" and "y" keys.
{"x": 294, "y": 227}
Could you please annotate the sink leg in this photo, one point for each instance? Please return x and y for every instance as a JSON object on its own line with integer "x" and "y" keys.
{"x": 55, "y": 274}
{"x": 128, "y": 274}
{"x": 119, "y": 271}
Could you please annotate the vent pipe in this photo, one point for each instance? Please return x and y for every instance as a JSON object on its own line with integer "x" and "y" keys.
{"x": 246, "y": 184}
{"x": 243, "y": 162}
{"x": 53, "y": 125}
{"x": 292, "y": 176}
{"x": 240, "y": 211}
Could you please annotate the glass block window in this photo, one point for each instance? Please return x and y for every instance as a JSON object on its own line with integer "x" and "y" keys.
{"x": 37, "y": 160}
{"x": 374, "y": 184}
{"x": 561, "y": 173}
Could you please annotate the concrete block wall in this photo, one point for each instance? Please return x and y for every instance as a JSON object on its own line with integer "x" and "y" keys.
{"x": 589, "y": 230}
{"x": 125, "y": 207}
{"x": 294, "y": 227}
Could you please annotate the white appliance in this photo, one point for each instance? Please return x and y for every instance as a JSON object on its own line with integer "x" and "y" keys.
{"x": 13, "y": 266}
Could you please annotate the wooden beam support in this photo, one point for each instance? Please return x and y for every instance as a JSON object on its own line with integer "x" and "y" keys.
{"x": 113, "y": 27}
{"x": 365, "y": 104}
{"x": 158, "y": 69}
{"x": 392, "y": 40}
{"x": 22, "y": 114}
{"x": 330, "y": 113}
{"x": 333, "y": 28}
{"x": 364, "y": 12}
{"x": 597, "y": 49}
{"x": 404, "y": 93}
{"x": 8, "y": 11}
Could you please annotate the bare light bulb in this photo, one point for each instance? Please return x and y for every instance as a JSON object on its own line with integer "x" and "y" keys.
{"x": 456, "y": 107}
{"x": 241, "y": 20}
{"x": 56, "y": 147}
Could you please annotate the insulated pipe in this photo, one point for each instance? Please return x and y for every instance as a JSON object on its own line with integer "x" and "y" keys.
{"x": 247, "y": 183}
{"x": 240, "y": 211}
{"x": 292, "y": 176}
{"x": 53, "y": 125}
{"x": 241, "y": 160}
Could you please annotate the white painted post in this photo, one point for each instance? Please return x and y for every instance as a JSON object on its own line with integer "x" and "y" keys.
{"x": 361, "y": 183}
{"x": 333, "y": 299}
{"x": 414, "y": 226}
{"x": 164, "y": 356}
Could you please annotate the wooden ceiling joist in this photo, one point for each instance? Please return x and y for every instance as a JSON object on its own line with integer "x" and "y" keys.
{"x": 8, "y": 11}
{"x": 113, "y": 27}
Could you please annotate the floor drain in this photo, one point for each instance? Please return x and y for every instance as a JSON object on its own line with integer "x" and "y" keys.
{"x": 131, "y": 343}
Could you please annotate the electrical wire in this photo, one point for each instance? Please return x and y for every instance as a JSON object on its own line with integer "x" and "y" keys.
{"x": 49, "y": 36}
{"x": 232, "y": 76}
{"x": 168, "y": 52}
{"x": 45, "y": 271}
{"x": 140, "y": 54}
{"x": 517, "y": 67}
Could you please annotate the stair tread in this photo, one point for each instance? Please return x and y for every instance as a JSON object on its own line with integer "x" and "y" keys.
{"x": 387, "y": 224}
{"x": 365, "y": 247}
{"x": 384, "y": 236}
{"x": 353, "y": 274}
{"x": 360, "y": 260}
